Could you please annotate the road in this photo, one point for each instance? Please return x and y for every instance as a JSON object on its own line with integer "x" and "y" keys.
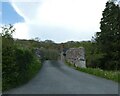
{"x": 57, "y": 78}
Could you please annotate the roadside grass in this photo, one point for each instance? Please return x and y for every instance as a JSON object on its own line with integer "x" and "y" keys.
{"x": 111, "y": 75}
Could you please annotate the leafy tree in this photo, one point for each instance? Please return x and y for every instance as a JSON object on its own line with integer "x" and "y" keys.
{"x": 7, "y": 31}
{"x": 108, "y": 39}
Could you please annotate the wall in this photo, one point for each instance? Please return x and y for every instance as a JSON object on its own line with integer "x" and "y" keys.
{"x": 76, "y": 56}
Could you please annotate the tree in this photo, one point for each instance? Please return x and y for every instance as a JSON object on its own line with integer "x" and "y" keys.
{"x": 108, "y": 39}
{"x": 7, "y": 31}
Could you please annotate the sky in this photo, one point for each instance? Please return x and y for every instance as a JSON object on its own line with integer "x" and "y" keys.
{"x": 57, "y": 20}
{"x": 9, "y": 15}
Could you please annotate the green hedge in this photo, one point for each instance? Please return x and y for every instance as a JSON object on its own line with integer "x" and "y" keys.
{"x": 19, "y": 63}
{"x": 18, "y": 66}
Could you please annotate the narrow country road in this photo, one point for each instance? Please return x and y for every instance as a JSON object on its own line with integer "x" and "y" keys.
{"x": 57, "y": 78}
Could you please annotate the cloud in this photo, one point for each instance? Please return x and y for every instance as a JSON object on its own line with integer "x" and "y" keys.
{"x": 0, "y": 29}
{"x": 60, "y": 20}
{"x": 57, "y": 34}
{"x": 22, "y": 31}
{"x": 0, "y": 12}
{"x": 69, "y": 13}
{"x": 26, "y": 9}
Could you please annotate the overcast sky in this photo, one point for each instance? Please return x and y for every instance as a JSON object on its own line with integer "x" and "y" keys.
{"x": 57, "y": 20}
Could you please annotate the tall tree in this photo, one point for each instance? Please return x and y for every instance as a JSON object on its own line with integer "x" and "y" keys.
{"x": 109, "y": 37}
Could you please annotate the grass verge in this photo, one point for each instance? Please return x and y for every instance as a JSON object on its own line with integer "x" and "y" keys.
{"x": 111, "y": 75}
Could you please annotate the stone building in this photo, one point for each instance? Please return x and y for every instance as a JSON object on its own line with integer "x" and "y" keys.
{"x": 76, "y": 56}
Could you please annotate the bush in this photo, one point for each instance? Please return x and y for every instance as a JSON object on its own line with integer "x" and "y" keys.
{"x": 23, "y": 60}
{"x": 19, "y": 68}
{"x": 8, "y": 64}
{"x": 19, "y": 64}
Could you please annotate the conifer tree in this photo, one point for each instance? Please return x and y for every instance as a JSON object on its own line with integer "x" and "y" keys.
{"x": 109, "y": 37}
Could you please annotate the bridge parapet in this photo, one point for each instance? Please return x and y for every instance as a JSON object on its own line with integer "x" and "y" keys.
{"x": 76, "y": 56}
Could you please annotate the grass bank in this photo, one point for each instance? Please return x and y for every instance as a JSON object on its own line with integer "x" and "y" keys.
{"x": 111, "y": 75}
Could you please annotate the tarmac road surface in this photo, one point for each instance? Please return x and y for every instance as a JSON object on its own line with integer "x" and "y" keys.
{"x": 57, "y": 78}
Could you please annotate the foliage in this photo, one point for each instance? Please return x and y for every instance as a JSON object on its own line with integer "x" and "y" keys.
{"x": 103, "y": 51}
{"x": 48, "y": 49}
{"x": 108, "y": 40}
{"x": 0, "y": 65}
{"x": 19, "y": 64}
{"x": 23, "y": 67}
{"x": 7, "y": 31}
{"x": 49, "y": 54}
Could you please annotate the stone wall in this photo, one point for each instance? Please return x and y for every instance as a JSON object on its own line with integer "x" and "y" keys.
{"x": 76, "y": 56}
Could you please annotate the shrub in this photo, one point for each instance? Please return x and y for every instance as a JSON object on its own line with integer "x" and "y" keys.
{"x": 18, "y": 68}
{"x": 19, "y": 64}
